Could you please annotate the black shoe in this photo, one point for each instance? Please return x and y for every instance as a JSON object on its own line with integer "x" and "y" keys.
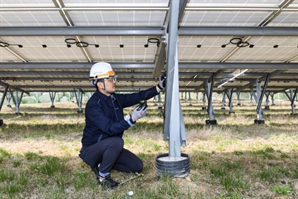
{"x": 108, "y": 182}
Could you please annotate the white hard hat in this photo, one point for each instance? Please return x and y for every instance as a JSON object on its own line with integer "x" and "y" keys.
{"x": 101, "y": 70}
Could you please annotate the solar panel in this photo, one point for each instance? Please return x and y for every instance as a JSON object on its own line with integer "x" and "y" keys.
{"x": 287, "y": 19}
{"x": 34, "y": 48}
{"x": 223, "y": 18}
{"x": 117, "y": 18}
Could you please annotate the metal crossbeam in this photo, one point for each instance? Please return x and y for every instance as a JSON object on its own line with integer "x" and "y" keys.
{"x": 147, "y": 65}
{"x": 145, "y": 31}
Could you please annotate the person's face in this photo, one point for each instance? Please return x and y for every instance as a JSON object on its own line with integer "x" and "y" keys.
{"x": 110, "y": 85}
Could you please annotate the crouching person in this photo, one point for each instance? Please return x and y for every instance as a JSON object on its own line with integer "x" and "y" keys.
{"x": 102, "y": 143}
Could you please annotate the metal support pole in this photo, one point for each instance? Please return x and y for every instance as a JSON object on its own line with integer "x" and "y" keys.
{"x": 173, "y": 121}
{"x": 197, "y": 97}
{"x": 252, "y": 94}
{"x": 182, "y": 129}
{"x": 260, "y": 95}
{"x": 272, "y": 98}
{"x": 204, "y": 100}
{"x": 267, "y": 100}
{"x": 17, "y": 100}
{"x": 210, "y": 109}
{"x": 259, "y": 110}
{"x": 3, "y": 97}
{"x": 52, "y": 97}
{"x": 159, "y": 101}
{"x": 79, "y": 97}
{"x": 230, "y": 95}
{"x": 174, "y": 116}
{"x": 174, "y": 163}
{"x": 8, "y": 98}
{"x": 238, "y": 99}
{"x": 223, "y": 101}
{"x": 292, "y": 99}
{"x": 209, "y": 98}
{"x": 293, "y": 95}
{"x": 189, "y": 98}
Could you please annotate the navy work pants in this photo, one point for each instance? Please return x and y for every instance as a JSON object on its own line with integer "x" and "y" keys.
{"x": 110, "y": 154}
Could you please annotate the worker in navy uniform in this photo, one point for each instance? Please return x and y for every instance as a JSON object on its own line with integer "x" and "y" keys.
{"x": 102, "y": 142}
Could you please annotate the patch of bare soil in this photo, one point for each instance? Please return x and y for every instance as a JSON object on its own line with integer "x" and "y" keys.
{"x": 65, "y": 145}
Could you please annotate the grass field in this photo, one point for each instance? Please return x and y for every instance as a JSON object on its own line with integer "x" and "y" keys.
{"x": 234, "y": 159}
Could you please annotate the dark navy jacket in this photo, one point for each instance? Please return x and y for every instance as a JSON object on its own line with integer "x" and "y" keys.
{"x": 104, "y": 115}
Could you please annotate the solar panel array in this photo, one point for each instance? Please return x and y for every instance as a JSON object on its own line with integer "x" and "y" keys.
{"x": 50, "y": 45}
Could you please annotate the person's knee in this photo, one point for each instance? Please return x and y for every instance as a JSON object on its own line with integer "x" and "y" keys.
{"x": 117, "y": 143}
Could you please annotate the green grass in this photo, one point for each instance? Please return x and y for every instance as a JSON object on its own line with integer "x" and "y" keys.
{"x": 3, "y": 155}
{"x": 232, "y": 160}
{"x": 282, "y": 190}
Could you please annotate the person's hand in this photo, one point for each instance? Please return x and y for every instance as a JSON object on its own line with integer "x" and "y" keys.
{"x": 139, "y": 112}
{"x": 162, "y": 81}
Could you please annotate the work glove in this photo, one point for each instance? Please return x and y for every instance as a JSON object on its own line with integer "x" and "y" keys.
{"x": 162, "y": 81}
{"x": 139, "y": 111}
